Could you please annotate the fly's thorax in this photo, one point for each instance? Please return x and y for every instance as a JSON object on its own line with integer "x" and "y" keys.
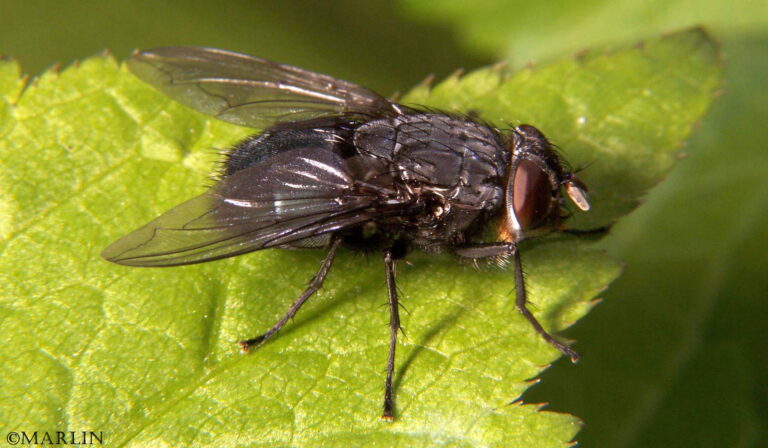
{"x": 456, "y": 158}
{"x": 452, "y": 166}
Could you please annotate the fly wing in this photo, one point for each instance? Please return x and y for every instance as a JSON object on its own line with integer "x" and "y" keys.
{"x": 299, "y": 195}
{"x": 249, "y": 91}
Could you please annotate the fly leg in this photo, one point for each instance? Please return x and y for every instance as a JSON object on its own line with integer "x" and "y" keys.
{"x": 394, "y": 327}
{"x": 314, "y": 285}
{"x": 521, "y": 300}
{"x": 596, "y": 231}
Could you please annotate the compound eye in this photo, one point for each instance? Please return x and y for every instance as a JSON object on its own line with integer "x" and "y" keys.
{"x": 532, "y": 198}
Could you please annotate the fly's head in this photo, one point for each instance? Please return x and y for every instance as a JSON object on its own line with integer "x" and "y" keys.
{"x": 535, "y": 181}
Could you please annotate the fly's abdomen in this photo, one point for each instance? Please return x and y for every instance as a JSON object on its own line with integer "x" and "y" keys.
{"x": 326, "y": 135}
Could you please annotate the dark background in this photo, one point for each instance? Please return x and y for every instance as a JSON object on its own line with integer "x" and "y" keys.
{"x": 368, "y": 42}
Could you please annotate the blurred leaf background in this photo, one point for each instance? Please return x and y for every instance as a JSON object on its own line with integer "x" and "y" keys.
{"x": 675, "y": 356}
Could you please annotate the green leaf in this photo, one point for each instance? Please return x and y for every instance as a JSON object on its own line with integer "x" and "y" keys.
{"x": 148, "y": 356}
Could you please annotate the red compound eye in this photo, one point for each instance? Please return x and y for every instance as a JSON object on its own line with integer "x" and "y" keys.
{"x": 532, "y": 195}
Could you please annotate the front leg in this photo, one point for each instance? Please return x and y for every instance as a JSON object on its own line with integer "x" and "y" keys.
{"x": 503, "y": 249}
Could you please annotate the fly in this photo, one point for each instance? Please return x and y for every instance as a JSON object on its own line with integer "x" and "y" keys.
{"x": 339, "y": 165}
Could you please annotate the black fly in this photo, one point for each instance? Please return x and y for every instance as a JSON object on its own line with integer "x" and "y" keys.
{"x": 339, "y": 165}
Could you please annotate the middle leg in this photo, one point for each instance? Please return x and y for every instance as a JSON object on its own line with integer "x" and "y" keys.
{"x": 394, "y": 327}
{"x": 314, "y": 285}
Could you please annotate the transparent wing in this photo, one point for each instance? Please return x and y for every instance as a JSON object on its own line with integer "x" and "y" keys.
{"x": 249, "y": 91}
{"x": 299, "y": 195}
